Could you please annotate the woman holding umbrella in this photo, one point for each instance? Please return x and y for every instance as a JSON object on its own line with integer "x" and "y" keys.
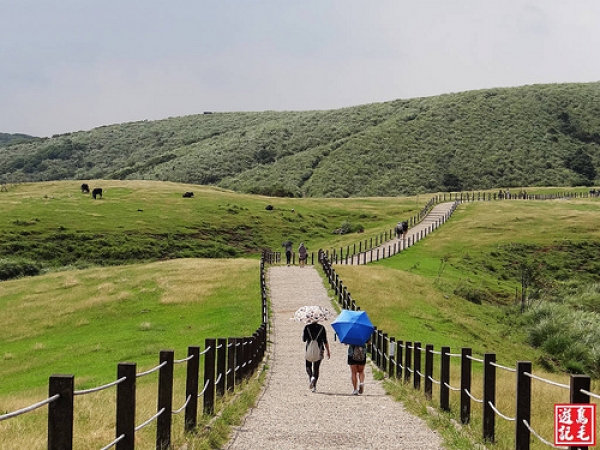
{"x": 314, "y": 331}
{"x": 355, "y": 329}
{"x": 357, "y": 358}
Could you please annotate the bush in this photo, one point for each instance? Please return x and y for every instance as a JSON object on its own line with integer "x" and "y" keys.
{"x": 570, "y": 336}
{"x": 16, "y": 268}
{"x": 348, "y": 227}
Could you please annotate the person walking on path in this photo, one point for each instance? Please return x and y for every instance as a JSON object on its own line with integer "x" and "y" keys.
{"x": 404, "y": 229}
{"x": 399, "y": 230}
{"x": 302, "y": 254}
{"x": 315, "y": 332}
{"x": 288, "y": 416}
{"x": 357, "y": 358}
{"x": 288, "y": 251}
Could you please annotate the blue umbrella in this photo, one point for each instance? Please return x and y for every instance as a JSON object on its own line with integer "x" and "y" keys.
{"x": 353, "y": 327}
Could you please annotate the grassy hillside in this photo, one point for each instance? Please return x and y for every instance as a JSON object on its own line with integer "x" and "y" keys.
{"x": 457, "y": 287}
{"x": 462, "y": 285}
{"x": 527, "y": 136}
{"x": 53, "y": 224}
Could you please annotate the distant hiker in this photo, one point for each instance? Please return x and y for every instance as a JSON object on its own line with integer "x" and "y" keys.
{"x": 288, "y": 251}
{"x": 399, "y": 230}
{"x": 302, "y": 254}
{"x": 404, "y": 229}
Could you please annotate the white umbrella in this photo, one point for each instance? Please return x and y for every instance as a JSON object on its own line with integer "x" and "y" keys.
{"x": 310, "y": 314}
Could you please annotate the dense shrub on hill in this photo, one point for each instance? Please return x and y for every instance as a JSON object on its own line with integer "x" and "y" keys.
{"x": 16, "y": 268}
{"x": 512, "y": 137}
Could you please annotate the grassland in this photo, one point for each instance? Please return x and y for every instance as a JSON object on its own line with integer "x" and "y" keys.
{"x": 420, "y": 295}
{"x": 53, "y": 224}
{"x": 86, "y": 314}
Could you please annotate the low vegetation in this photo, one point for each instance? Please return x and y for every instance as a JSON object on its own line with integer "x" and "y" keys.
{"x": 541, "y": 135}
{"x": 52, "y": 225}
{"x": 489, "y": 279}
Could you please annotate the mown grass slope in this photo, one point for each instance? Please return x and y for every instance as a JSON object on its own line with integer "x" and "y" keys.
{"x": 539, "y": 135}
{"x": 462, "y": 285}
{"x": 54, "y": 224}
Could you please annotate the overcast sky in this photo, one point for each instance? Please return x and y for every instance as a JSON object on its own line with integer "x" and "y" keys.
{"x": 69, "y": 65}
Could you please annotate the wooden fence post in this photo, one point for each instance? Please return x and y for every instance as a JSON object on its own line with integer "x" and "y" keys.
{"x": 465, "y": 386}
{"x": 384, "y": 352}
{"x": 428, "y": 371}
{"x": 237, "y": 357}
{"x": 165, "y": 400}
{"x": 254, "y": 352}
{"x": 378, "y": 348}
{"x": 445, "y": 379}
{"x": 407, "y": 361}
{"x": 60, "y": 412}
{"x": 489, "y": 397}
{"x": 417, "y": 365}
{"x": 209, "y": 377}
{"x": 399, "y": 360}
{"x": 392, "y": 351}
{"x": 191, "y": 388}
{"x": 579, "y": 383}
{"x": 126, "y": 406}
{"x": 221, "y": 359}
{"x": 522, "y": 433}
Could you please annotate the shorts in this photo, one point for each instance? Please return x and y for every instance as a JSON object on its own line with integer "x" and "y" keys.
{"x": 351, "y": 362}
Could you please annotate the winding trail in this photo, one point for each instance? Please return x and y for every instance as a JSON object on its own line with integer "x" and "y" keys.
{"x": 289, "y": 416}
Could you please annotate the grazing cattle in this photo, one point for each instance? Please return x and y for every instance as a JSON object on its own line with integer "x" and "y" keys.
{"x": 188, "y": 194}
{"x": 97, "y": 192}
{"x": 269, "y": 207}
{"x": 85, "y": 189}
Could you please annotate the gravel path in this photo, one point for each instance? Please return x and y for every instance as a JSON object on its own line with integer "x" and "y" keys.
{"x": 434, "y": 219}
{"x": 289, "y": 416}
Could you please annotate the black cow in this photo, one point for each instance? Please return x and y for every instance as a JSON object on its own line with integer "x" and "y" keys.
{"x": 269, "y": 207}
{"x": 188, "y": 194}
{"x": 97, "y": 192}
{"x": 85, "y": 189}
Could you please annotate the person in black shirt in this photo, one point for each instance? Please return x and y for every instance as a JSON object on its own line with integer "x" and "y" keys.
{"x": 315, "y": 331}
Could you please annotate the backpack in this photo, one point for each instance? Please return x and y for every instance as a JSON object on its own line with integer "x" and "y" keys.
{"x": 358, "y": 353}
{"x": 313, "y": 352}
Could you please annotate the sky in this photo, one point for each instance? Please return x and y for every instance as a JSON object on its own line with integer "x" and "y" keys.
{"x": 71, "y": 65}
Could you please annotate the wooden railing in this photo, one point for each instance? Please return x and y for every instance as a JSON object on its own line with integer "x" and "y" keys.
{"x": 407, "y": 360}
{"x": 227, "y": 361}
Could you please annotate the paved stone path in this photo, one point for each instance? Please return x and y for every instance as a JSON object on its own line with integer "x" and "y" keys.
{"x": 289, "y": 416}
{"x": 434, "y": 219}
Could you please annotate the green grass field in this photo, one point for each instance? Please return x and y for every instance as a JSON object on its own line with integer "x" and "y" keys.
{"x": 86, "y": 321}
{"x": 111, "y": 303}
{"x": 135, "y": 221}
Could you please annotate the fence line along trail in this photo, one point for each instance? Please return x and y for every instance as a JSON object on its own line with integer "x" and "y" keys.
{"x": 289, "y": 416}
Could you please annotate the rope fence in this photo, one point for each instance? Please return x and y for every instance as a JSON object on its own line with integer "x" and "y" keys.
{"x": 402, "y": 361}
{"x": 227, "y": 362}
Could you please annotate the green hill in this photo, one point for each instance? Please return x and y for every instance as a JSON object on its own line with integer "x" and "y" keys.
{"x": 17, "y": 138}
{"x": 538, "y": 135}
